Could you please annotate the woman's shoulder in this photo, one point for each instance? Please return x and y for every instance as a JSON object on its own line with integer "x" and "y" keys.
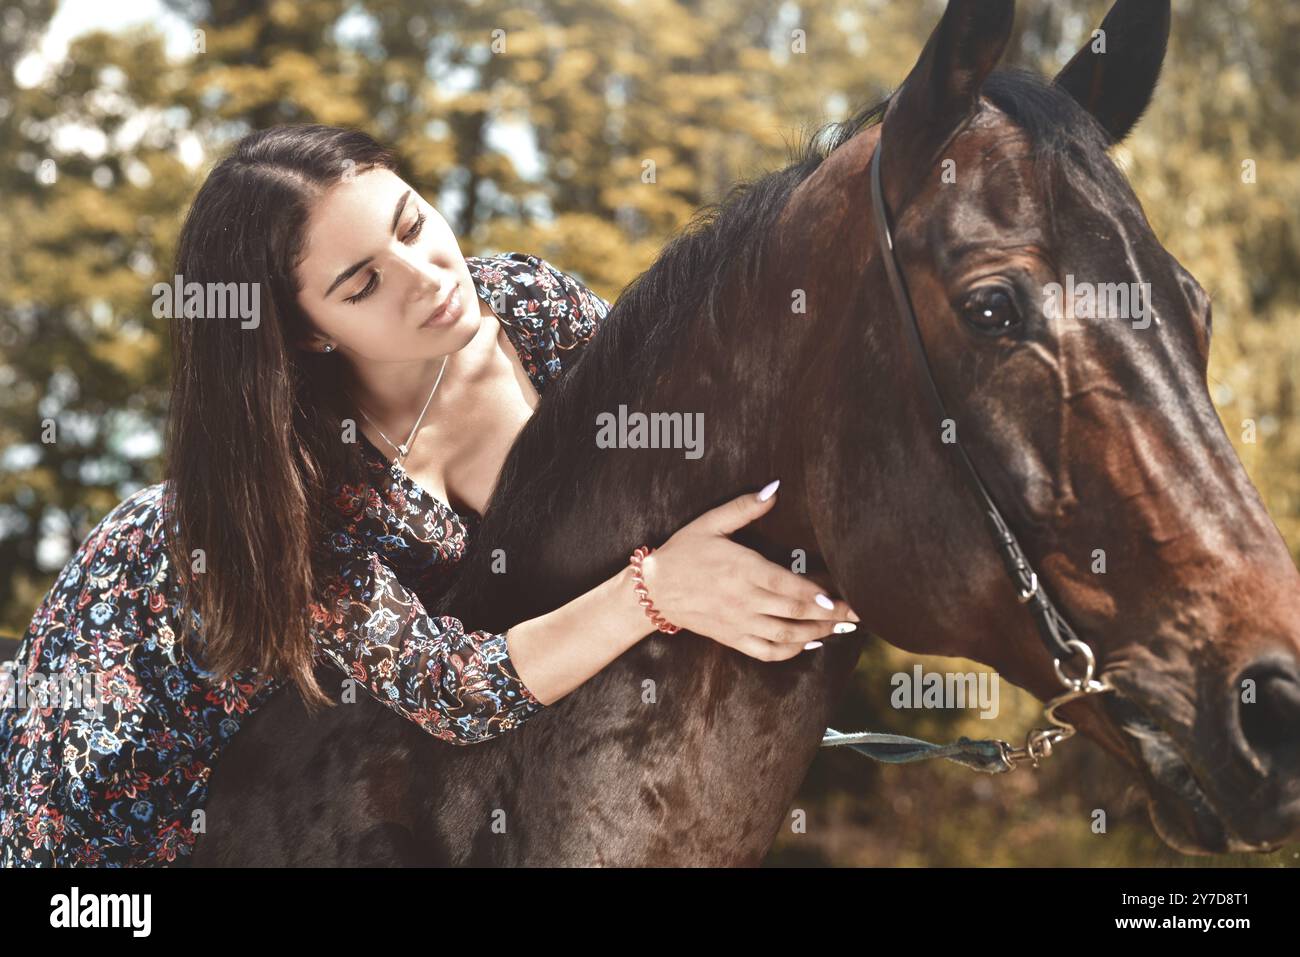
{"x": 111, "y": 578}
{"x": 555, "y": 309}
{"x": 127, "y": 545}
{"x": 139, "y": 516}
{"x": 554, "y": 312}
{"x": 142, "y": 505}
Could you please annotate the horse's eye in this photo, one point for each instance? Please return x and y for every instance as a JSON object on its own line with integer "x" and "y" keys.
{"x": 991, "y": 309}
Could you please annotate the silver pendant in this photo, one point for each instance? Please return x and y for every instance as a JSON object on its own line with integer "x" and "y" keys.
{"x": 402, "y": 448}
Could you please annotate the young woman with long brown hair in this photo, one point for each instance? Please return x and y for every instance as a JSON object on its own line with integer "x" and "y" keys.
{"x": 284, "y": 536}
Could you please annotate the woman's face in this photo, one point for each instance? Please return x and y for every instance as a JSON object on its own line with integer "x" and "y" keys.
{"x": 379, "y": 261}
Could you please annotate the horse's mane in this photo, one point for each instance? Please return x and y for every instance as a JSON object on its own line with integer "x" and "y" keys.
{"x": 721, "y": 245}
{"x": 1069, "y": 147}
{"x": 717, "y": 259}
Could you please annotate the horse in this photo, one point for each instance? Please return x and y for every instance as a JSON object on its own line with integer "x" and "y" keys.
{"x": 772, "y": 315}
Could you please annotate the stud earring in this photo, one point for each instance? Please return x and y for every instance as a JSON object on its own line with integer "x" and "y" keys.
{"x": 329, "y": 347}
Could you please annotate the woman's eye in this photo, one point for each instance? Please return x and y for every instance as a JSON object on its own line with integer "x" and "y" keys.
{"x": 991, "y": 309}
{"x": 411, "y": 235}
{"x": 415, "y": 230}
{"x": 369, "y": 288}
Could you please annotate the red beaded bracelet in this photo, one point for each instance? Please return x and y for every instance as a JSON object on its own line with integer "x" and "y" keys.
{"x": 643, "y": 595}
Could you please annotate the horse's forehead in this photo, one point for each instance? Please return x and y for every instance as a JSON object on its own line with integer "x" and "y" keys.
{"x": 982, "y": 203}
{"x": 994, "y": 192}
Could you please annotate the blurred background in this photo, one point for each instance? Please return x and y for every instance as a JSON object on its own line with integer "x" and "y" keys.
{"x": 111, "y": 114}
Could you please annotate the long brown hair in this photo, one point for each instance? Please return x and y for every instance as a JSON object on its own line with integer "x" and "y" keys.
{"x": 254, "y": 427}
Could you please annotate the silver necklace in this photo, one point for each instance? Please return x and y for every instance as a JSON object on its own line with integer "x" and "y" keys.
{"x": 403, "y": 449}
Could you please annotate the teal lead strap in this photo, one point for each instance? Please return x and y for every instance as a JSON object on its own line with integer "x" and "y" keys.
{"x": 987, "y": 756}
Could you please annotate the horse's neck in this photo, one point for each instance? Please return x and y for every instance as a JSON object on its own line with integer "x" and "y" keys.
{"x": 738, "y": 732}
{"x": 711, "y": 747}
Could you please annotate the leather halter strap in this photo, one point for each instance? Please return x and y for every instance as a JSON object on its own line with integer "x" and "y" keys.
{"x": 1052, "y": 626}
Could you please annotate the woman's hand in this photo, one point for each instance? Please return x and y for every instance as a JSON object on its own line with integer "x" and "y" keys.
{"x": 702, "y": 581}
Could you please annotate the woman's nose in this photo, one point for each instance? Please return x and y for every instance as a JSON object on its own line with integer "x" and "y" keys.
{"x": 426, "y": 281}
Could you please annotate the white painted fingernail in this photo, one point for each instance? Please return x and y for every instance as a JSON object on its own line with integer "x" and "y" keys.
{"x": 811, "y": 645}
{"x": 844, "y": 627}
{"x": 824, "y": 601}
{"x": 768, "y": 490}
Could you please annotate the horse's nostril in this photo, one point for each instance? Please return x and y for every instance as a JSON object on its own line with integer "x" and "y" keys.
{"x": 1269, "y": 696}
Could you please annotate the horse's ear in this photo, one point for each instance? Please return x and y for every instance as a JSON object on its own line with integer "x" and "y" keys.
{"x": 1114, "y": 75}
{"x": 943, "y": 88}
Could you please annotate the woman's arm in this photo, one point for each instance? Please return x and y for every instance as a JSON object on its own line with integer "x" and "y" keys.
{"x": 556, "y": 652}
{"x": 469, "y": 686}
{"x": 465, "y": 686}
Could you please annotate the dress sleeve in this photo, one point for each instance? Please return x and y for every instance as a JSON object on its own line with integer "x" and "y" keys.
{"x": 576, "y": 312}
{"x": 460, "y": 686}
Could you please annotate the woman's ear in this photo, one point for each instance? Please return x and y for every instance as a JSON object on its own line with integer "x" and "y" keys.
{"x": 316, "y": 342}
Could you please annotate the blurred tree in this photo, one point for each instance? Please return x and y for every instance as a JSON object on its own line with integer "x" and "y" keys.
{"x": 81, "y": 374}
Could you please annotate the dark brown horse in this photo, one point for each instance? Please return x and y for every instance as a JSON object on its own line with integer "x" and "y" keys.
{"x": 1096, "y": 436}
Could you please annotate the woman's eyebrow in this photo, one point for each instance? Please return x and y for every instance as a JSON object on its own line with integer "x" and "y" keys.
{"x": 351, "y": 271}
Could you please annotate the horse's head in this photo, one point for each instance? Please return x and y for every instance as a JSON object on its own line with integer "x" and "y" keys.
{"x": 1089, "y": 420}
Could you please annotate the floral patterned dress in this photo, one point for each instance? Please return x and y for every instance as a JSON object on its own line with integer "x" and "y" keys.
{"x": 120, "y": 784}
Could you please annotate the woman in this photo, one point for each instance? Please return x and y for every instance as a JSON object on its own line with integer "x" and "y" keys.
{"x": 284, "y": 536}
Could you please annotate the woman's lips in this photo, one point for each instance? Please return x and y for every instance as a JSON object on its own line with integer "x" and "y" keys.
{"x": 450, "y": 311}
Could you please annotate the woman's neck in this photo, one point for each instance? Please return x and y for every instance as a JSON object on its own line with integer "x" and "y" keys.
{"x": 395, "y": 392}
